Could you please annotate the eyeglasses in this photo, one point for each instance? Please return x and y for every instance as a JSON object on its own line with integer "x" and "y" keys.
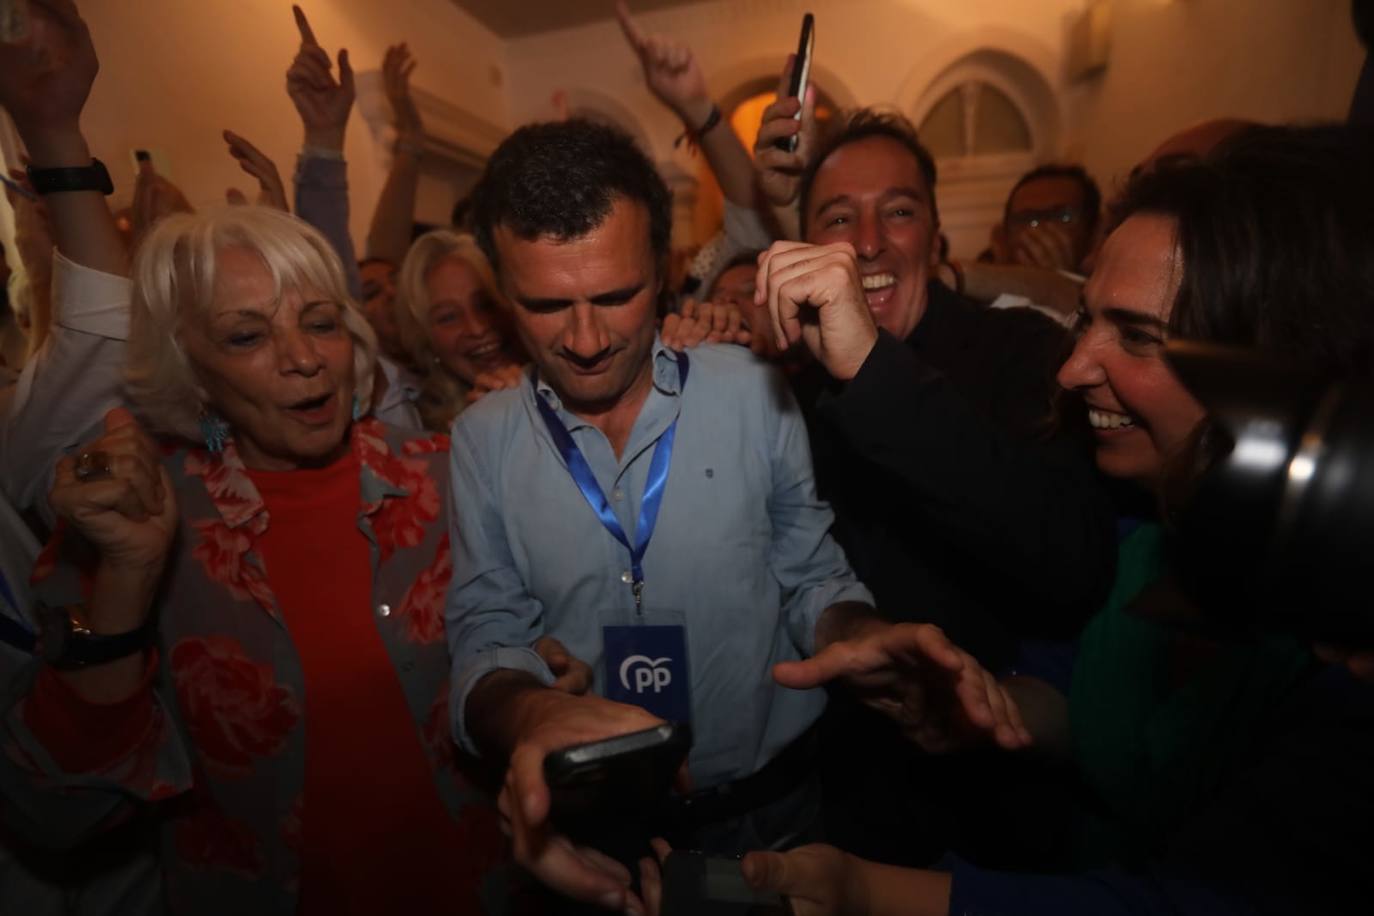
{"x": 1034, "y": 218}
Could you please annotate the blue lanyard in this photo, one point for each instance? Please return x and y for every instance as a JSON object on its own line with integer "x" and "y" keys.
{"x": 653, "y": 488}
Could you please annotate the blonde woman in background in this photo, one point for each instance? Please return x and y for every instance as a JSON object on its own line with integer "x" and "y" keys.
{"x": 455, "y": 324}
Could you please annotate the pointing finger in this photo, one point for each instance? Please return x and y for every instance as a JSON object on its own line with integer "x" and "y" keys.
{"x": 303, "y": 25}
{"x": 627, "y": 25}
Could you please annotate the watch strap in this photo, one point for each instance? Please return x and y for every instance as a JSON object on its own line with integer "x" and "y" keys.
{"x": 64, "y": 643}
{"x": 93, "y": 177}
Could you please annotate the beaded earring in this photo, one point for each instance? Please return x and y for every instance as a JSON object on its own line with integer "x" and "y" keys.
{"x": 213, "y": 429}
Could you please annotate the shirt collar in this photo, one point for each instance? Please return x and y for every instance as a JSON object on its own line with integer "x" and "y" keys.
{"x": 239, "y": 503}
{"x": 402, "y": 385}
{"x": 666, "y": 378}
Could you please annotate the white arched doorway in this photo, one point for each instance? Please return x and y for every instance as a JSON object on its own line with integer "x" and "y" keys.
{"x": 989, "y": 118}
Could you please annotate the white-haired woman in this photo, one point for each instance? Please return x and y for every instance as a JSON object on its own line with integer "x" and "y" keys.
{"x": 453, "y": 322}
{"x": 268, "y": 684}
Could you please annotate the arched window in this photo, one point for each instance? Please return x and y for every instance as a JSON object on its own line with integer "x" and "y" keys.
{"x": 975, "y": 119}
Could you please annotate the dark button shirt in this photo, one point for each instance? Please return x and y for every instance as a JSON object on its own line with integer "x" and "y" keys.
{"x": 959, "y": 497}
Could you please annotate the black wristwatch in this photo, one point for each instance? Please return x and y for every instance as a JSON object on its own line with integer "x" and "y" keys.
{"x": 93, "y": 177}
{"x": 65, "y": 642}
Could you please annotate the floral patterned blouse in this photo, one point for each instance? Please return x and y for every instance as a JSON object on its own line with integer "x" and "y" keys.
{"x": 220, "y": 763}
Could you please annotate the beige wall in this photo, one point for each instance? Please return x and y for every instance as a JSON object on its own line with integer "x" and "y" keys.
{"x": 867, "y": 52}
{"x": 1177, "y": 62}
{"x": 1173, "y": 62}
{"x": 174, "y": 73}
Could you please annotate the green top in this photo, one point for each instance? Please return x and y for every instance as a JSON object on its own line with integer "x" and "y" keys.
{"x": 1153, "y": 744}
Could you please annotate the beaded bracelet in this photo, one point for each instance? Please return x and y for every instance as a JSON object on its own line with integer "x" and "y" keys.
{"x": 694, "y": 136}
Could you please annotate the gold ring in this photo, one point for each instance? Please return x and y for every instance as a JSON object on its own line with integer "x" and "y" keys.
{"x": 93, "y": 465}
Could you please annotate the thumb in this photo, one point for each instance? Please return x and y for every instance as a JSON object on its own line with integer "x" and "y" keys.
{"x": 527, "y": 779}
{"x": 800, "y": 675}
{"x": 555, "y": 655}
{"x": 117, "y": 417}
{"x": 766, "y": 871}
{"x": 345, "y": 70}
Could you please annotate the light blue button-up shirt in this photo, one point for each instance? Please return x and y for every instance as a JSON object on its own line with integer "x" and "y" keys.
{"x": 741, "y": 553}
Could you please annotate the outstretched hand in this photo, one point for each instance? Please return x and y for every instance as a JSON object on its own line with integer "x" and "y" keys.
{"x": 397, "y": 66}
{"x": 271, "y": 191}
{"x": 936, "y": 692}
{"x": 322, "y": 101}
{"x": 155, "y": 197}
{"x": 670, "y": 69}
{"x": 817, "y": 880}
{"x": 704, "y": 322}
{"x": 556, "y": 720}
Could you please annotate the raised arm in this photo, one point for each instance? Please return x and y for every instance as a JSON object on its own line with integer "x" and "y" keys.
{"x": 68, "y": 384}
{"x": 324, "y": 104}
{"x": 271, "y": 191}
{"x": 389, "y": 235}
{"x": 675, "y": 78}
{"x": 45, "y": 78}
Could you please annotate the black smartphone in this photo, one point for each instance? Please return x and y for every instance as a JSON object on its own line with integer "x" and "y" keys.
{"x": 700, "y": 885}
{"x": 625, "y": 774}
{"x": 801, "y": 76}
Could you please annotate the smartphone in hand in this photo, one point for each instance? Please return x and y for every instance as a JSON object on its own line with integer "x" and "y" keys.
{"x": 627, "y": 774}
{"x": 801, "y": 77}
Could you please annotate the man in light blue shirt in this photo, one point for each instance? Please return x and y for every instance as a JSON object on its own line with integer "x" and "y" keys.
{"x": 624, "y": 488}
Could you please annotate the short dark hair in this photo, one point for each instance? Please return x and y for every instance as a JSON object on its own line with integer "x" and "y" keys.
{"x": 561, "y": 179}
{"x": 1092, "y": 195}
{"x": 862, "y": 124}
{"x": 1277, "y": 244}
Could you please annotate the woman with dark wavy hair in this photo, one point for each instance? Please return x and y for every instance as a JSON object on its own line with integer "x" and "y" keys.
{"x": 1222, "y": 771}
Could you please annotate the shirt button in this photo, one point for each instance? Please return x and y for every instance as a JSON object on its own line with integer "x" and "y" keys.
{"x": 383, "y": 610}
{"x": 617, "y": 494}
{"x": 626, "y": 577}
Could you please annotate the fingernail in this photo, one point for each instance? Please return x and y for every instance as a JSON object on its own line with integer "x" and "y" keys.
{"x": 612, "y": 901}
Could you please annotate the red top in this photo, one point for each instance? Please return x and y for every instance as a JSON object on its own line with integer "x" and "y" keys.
{"x": 377, "y": 837}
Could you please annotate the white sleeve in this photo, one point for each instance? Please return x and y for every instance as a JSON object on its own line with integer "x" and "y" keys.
{"x": 66, "y": 388}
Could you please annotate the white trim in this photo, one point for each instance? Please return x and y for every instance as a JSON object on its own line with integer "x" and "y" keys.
{"x": 451, "y": 132}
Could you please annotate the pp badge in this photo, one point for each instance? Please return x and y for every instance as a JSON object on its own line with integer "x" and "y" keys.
{"x": 646, "y": 666}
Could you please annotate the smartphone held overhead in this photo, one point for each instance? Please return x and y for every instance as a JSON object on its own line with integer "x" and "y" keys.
{"x": 801, "y": 77}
